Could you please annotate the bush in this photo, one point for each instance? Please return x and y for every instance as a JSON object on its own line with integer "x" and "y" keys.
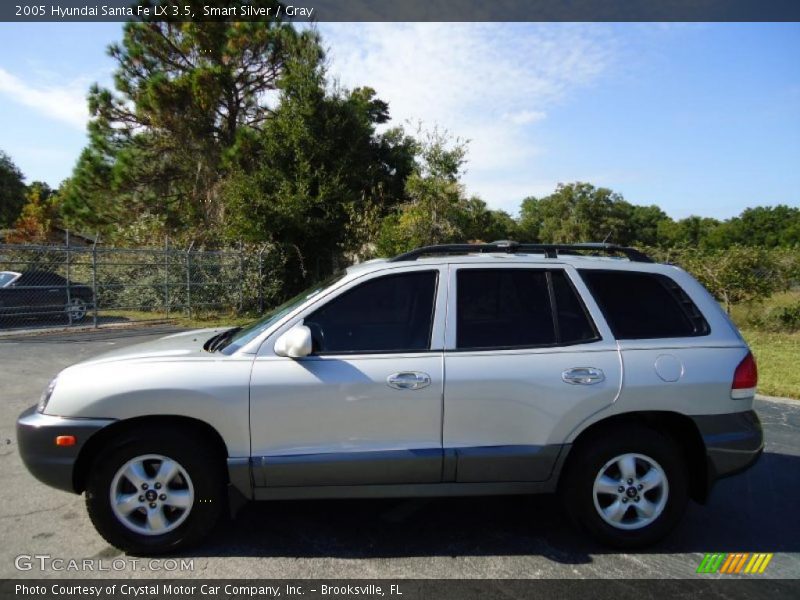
{"x": 784, "y": 318}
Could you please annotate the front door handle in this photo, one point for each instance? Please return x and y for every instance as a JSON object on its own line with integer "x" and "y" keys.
{"x": 583, "y": 376}
{"x": 408, "y": 380}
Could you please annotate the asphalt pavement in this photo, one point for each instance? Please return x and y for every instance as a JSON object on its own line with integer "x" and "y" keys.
{"x": 500, "y": 537}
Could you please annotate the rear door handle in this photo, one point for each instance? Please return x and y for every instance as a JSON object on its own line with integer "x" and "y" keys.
{"x": 408, "y": 380}
{"x": 583, "y": 376}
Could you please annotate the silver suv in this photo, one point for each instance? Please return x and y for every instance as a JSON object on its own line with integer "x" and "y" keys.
{"x": 499, "y": 368}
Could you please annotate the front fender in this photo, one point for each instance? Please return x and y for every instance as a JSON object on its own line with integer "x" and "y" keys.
{"x": 213, "y": 390}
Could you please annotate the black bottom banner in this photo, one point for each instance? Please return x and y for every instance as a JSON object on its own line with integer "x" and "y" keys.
{"x": 399, "y": 589}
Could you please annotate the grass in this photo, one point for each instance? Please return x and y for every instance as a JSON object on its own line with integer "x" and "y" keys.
{"x": 778, "y": 358}
{"x": 777, "y": 350}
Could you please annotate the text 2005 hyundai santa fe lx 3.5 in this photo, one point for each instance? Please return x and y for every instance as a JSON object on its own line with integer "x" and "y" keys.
{"x": 502, "y": 368}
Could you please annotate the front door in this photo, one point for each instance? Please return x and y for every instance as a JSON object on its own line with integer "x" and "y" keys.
{"x": 366, "y": 406}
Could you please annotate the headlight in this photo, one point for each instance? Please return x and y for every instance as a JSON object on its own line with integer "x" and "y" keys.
{"x": 48, "y": 391}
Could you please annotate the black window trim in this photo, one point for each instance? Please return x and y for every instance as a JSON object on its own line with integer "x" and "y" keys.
{"x": 361, "y": 282}
{"x": 553, "y": 309}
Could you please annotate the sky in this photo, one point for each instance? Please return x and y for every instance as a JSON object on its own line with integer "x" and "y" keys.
{"x": 701, "y": 119}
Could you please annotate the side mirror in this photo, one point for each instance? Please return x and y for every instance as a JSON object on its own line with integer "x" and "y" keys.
{"x": 295, "y": 343}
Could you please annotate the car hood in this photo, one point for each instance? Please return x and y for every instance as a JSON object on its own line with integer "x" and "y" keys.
{"x": 185, "y": 344}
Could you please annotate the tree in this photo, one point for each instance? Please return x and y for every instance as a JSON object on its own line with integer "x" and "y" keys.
{"x": 735, "y": 274}
{"x": 478, "y": 223}
{"x": 643, "y": 224}
{"x": 689, "y": 232}
{"x": 37, "y": 216}
{"x": 434, "y": 212}
{"x": 189, "y": 96}
{"x": 12, "y": 190}
{"x": 317, "y": 178}
{"x": 763, "y": 226}
{"x": 576, "y": 212}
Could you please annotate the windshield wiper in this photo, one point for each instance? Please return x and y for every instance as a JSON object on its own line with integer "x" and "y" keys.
{"x": 220, "y": 340}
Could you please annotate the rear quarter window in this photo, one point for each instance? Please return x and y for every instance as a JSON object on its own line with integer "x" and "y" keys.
{"x": 644, "y": 305}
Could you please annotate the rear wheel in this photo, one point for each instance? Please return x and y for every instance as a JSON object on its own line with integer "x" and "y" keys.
{"x": 156, "y": 493}
{"x": 626, "y": 486}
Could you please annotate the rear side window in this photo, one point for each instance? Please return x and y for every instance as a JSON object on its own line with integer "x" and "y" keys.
{"x": 518, "y": 308}
{"x": 393, "y": 313}
{"x": 644, "y": 305}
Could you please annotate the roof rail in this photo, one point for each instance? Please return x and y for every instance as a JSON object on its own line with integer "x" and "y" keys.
{"x": 511, "y": 247}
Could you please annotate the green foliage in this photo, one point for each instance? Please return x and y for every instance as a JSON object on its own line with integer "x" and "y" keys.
{"x": 478, "y": 223}
{"x": 317, "y": 178}
{"x": 785, "y": 318}
{"x": 762, "y": 226}
{"x": 12, "y": 191}
{"x": 188, "y": 96}
{"x": 688, "y": 232}
{"x": 434, "y": 198}
{"x": 37, "y": 216}
{"x": 582, "y": 212}
{"x": 736, "y": 274}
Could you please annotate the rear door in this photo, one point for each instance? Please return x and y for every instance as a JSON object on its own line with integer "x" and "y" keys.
{"x": 672, "y": 354}
{"x": 525, "y": 362}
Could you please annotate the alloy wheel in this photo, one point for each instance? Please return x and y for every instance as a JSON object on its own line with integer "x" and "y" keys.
{"x": 630, "y": 491}
{"x": 151, "y": 494}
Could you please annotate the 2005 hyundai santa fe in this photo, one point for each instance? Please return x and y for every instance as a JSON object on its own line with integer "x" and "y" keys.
{"x": 500, "y": 368}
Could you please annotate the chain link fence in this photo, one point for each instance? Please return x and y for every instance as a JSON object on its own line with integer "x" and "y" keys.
{"x": 58, "y": 285}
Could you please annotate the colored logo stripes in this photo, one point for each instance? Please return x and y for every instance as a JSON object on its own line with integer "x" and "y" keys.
{"x": 735, "y": 562}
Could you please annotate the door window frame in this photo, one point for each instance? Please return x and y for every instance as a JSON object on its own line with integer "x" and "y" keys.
{"x": 596, "y": 320}
{"x": 437, "y": 341}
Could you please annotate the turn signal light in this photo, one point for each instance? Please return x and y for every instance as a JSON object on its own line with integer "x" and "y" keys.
{"x": 65, "y": 440}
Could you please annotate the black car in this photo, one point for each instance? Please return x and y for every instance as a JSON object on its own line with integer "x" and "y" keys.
{"x": 43, "y": 294}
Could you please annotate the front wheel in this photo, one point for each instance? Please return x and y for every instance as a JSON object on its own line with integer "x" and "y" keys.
{"x": 155, "y": 494}
{"x": 76, "y": 310}
{"x": 626, "y": 486}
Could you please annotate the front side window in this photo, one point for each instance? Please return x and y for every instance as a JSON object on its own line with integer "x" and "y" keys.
{"x": 6, "y": 277}
{"x": 518, "y": 308}
{"x": 644, "y": 305}
{"x": 393, "y": 313}
{"x": 245, "y": 335}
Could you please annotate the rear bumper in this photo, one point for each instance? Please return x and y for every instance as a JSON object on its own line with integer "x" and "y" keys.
{"x": 51, "y": 464}
{"x": 733, "y": 442}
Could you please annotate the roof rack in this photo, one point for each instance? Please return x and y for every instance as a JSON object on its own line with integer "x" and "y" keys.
{"x": 511, "y": 247}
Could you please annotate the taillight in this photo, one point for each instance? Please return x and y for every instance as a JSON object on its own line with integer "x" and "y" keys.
{"x": 745, "y": 378}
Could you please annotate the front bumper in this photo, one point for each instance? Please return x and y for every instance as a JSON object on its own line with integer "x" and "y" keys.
{"x": 733, "y": 442}
{"x": 51, "y": 464}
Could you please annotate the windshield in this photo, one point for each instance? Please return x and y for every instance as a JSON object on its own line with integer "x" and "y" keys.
{"x": 250, "y": 332}
{"x": 7, "y": 277}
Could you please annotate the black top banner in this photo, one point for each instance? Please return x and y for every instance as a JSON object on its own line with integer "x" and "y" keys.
{"x": 402, "y": 10}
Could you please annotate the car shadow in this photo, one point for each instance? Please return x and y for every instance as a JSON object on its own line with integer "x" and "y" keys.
{"x": 755, "y": 511}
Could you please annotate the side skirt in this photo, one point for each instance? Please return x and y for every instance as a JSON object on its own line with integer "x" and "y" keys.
{"x": 413, "y": 490}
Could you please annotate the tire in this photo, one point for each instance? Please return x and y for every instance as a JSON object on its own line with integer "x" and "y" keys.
{"x": 636, "y": 516}
{"x": 181, "y": 512}
{"x": 75, "y": 310}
